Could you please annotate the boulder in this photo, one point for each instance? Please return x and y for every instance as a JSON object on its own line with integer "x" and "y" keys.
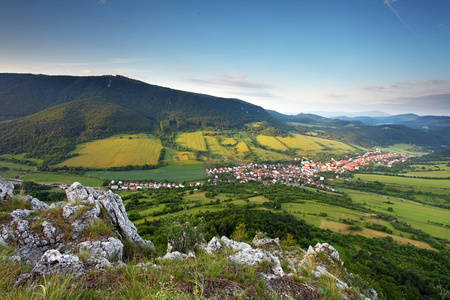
{"x": 254, "y": 256}
{"x": 178, "y": 255}
{"x": 320, "y": 271}
{"x": 6, "y": 189}
{"x": 258, "y": 242}
{"x": 20, "y": 214}
{"x": 327, "y": 249}
{"x": 213, "y": 245}
{"x": 114, "y": 208}
{"x": 52, "y": 261}
{"x": 236, "y": 246}
{"x": 109, "y": 248}
{"x": 36, "y": 204}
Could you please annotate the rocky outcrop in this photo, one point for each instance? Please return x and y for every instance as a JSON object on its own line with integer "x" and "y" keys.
{"x": 49, "y": 238}
{"x": 113, "y": 205}
{"x": 54, "y": 262}
{"x": 236, "y": 246}
{"x": 213, "y": 245}
{"x": 255, "y": 256}
{"x": 110, "y": 248}
{"x": 6, "y": 189}
{"x": 260, "y": 241}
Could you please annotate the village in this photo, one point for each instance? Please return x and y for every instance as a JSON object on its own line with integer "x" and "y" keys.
{"x": 307, "y": 172}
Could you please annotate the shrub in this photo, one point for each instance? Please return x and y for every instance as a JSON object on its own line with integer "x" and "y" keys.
{"x": 182, "y": 234}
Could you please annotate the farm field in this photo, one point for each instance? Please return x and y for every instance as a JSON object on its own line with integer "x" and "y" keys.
{"x": 271, "y": 142}
{"x": 415, "y": 214}
{"x": 404, "y": 149}
{"x": 269, "y": 155}
{"x": 15, "y": 166}
{"x": 21, "y": 157}
{"x": 176, "y": 171}
{"x": 429, "y": 174}
{"x": 227, "y": 142}
{"x": 370, "y": 233}
{"x": 170, "y": 154}
{"x": 217, "y": 151}
{"x": 117, "y": 151}
{"x": 415, "y": 182}
{"x": 62, "y": 178}
{"x": 192, "y": 140}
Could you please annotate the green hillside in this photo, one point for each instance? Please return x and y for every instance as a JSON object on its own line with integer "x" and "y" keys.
{"x": 55, "y": 131}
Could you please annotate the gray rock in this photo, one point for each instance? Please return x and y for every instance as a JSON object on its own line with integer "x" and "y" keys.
{"x": 99, "y": 264}
{"x": 77, "y": 193}
{"x": 320, "y": 271}
{"x": 257, "y": 242}
{"x": 178, "y": 255}
{"x": 236, "y": 246}
{"x": 145, "y": 266}
{"x": 113, "y": 205}
{"x": 52, "y": 261}
{"x": 6, "y": 189}
{"x": 254, "y": 256}
{"x": 49, "y": 232}
{"x": 58, "y": 204}
{"x": 110, "y": 248}
{"x": 21, "y": 279}
{"x": 371, "y": 293}
{"x": 20, "y": 214}
{"x": 36, "y": 204}
{"x": 327, "y": 249}
{"x": 213, "y": 245}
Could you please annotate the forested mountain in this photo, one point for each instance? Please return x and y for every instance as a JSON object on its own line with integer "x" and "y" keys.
{"x": 25, "y": 94}
{"x": 59, "y": 128}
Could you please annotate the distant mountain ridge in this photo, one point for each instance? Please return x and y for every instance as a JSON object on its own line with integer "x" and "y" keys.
{"x": 25, "y": 94}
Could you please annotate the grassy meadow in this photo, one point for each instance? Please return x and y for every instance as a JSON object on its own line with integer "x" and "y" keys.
{"x": 117, "y": 151}
{"x": 184, "y": 170}
{"x": 44, "y": 177}
{"x": 414, "y": 182}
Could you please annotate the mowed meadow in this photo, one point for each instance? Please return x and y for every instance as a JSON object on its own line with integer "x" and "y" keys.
{"x": 117, "y": 151}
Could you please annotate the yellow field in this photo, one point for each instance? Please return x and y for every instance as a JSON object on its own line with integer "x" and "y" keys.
{"x": 117, "y": 151}
{"x": 215, "y": 148}
{"x": 336, "y": 145}
{"x": 269, "y": 155}
{"x": 192, "y": 140}
{"x": 301, "y": 142}
{"x": 228, "y": 141}
{"x": 271, "y": 142}
{"x": 369, "y": 233}
{"x": 242, "y": 147}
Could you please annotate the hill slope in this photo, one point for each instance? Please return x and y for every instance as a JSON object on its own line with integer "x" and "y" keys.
{"x": 59, "y": 128}
{"x": 25, "y": 94}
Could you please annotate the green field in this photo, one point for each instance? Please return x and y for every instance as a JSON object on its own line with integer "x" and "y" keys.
{"x": 117, "y": 151}
{"x": 14, "y": 166}
{"x": 415, "y": 182}
{"x": 415, "y": 214}
{"x": 228, "y": 142}
{"x": 191, "y": 140}
{"x": 176, "y": 171}
{"x": 62, "y": 178}
{"x": 22, "y": 157}
{"x": 404, "y": 149}
{"x": 216, "y": 149}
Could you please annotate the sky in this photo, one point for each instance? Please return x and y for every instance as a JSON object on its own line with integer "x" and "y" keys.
{"x": 289, "y": 56}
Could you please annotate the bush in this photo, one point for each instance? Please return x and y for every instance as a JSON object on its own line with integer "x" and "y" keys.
{"x": 182, "y": 234}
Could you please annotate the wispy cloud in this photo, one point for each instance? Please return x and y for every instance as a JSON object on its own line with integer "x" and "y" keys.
{"x": 102, "y": 1}
{"x": 389, "y": 4}
{"x": 405, "y": 85}
{"x": 336, "y": 95}
{"x": 234, "y": 81}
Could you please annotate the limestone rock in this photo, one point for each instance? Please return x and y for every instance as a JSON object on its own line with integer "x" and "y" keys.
{"x": 320, "y": 271}
{"x": 145, "y": 266}
{"x": 110, "y": 248}
{"x": 58, "y": 204}
{"x": 257, "y": 242}
{"x": 36, "y": 204}
{"x": 178, "y": 255}
{"x": 20, "y": 214}
{"x": 99, "y": 263}
{"x": 6, "y": 189}
{"x": 52, "y": 261}
{"x": 49, "y": 232}
{"x": 213, "y": 245}
{"x": 77, "y": 193}
{"x": 236, "y": 246}
{"x": 327, "y": 249}
{"x": 254, "y": 256}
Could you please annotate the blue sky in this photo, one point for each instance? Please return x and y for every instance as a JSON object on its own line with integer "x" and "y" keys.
{"x": 290, "y": 56}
